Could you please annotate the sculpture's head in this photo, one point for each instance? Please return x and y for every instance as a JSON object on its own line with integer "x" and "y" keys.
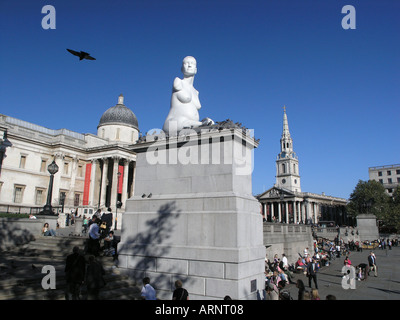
{"x": 189, "y": 66}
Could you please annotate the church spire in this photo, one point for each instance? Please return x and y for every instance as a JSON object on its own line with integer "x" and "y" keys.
{"x": 285, "y": 132}
{"x": 287, "y": 164}
{"x": 286, "y": 140}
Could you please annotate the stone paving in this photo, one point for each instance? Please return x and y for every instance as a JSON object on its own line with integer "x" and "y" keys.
{"x": 384, "y": 287}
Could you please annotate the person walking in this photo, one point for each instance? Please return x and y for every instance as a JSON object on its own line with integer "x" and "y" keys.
{"x": 180, "y": 293}
{"x": 148, "y": 292}
{"x": 94, "y": 278}
{"x": 300, "y": 285}
{"x": 94, "y": 237}
{"x": 75, "y": 268}
{"x": 85, "y": 224}
{"x": 372, "y": 263}
{"x": 312, "y": 273}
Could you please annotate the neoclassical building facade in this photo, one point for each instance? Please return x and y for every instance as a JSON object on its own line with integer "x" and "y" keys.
{"x": 285, "y": 202}
{"x": 94, "y": 171}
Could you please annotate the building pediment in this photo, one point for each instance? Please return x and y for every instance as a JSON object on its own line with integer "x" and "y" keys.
{"x": 275, "y": 193}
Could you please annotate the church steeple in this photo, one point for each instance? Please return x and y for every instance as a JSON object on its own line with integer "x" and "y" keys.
{"x": 286, "y": 140}
{"x": 287, "y": 164}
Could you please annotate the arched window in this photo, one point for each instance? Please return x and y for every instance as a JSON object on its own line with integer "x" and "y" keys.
{"x": 283, "y": 168}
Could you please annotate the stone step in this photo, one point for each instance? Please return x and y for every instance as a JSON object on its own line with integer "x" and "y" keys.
{"x": 24, "y": 278}
{"x": 114, "y": 290}
{"x": 125, "y": 293}
{"x": 21, "y": 277}
{"x": 22, "y": 288}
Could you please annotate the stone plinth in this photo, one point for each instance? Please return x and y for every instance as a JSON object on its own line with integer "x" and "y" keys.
{"x": 78, "y": 226}
{"x": 193, "y": 217}
{"x": 61, "y": 219}
{"x": 367, "y": 228}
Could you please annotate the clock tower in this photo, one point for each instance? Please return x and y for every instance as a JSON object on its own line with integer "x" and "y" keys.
{"x": 287, "y": 164}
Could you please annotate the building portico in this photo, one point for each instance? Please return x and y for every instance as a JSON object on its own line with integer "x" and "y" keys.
{"x": 280, "y": 205}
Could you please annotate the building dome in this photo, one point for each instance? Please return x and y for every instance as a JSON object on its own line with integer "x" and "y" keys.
{"x": 119, "y": 115}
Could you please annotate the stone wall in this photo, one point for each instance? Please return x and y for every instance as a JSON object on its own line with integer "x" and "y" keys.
{"x": 16, "y": 232}
{"x": 290, "y": 239}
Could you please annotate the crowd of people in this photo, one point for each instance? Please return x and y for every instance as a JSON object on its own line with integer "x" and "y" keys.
{"x": 79, "y": 271}
{"x": 101, "y": 236}
{"x": 279, "y": 273}
{"x": 89, "y": 271}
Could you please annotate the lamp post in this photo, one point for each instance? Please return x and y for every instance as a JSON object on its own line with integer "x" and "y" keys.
{"x": 52, "y": 169}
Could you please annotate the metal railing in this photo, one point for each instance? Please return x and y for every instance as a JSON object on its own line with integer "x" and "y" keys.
{"x": 9, "y": 208}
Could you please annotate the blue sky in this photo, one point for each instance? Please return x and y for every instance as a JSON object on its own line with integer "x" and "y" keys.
{"x": 340, "y": 87}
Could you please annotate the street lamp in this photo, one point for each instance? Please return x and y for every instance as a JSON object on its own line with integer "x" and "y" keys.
{"x": 52, "y": 169}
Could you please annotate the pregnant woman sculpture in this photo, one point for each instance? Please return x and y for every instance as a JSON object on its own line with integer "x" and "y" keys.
{"x": 185, "y": 101}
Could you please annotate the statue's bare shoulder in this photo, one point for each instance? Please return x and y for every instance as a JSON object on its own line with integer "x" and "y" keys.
{"x": 177, "y": 86}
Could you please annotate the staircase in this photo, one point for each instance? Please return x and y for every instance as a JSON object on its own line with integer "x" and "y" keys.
{"x": 21, "y": 272}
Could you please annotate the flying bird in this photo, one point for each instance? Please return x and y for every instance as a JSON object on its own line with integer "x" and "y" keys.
{"x": 82, "y": 55}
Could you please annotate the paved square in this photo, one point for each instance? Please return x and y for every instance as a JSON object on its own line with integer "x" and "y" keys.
{"x": 384, "y": 287}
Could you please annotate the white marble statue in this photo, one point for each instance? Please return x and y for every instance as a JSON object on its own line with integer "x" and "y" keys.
{"x": 185, "y": 101}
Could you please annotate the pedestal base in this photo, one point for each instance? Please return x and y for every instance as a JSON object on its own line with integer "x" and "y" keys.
{"x": 367, "y": 228}
{"x": 197, "y": 222}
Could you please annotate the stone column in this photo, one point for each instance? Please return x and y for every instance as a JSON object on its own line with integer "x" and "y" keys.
{"x": 92, "y": 182}
{"x": 310, "y": 211}
{"x": 114, "y": 186}
{"x": 294, "y": 211}
{"x": 71, "y": 195}
{"x": 279, "y": 212}
{"x": 287, "y": 212}
{"x": 125, "y": 183}
{"x": 306, "y": 210}
{"x": 272, "y": 210}
{"x": 264, "y": 210}
{"x": 104, "y": 183}
{"x": 132, "y": 191}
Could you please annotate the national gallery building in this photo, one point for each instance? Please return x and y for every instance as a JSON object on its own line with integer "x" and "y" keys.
{"x": 94, "y": 171}
{"x": 285, "y": 202}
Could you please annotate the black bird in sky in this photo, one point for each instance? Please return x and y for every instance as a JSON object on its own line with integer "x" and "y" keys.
{"x": 82, "y": 55}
